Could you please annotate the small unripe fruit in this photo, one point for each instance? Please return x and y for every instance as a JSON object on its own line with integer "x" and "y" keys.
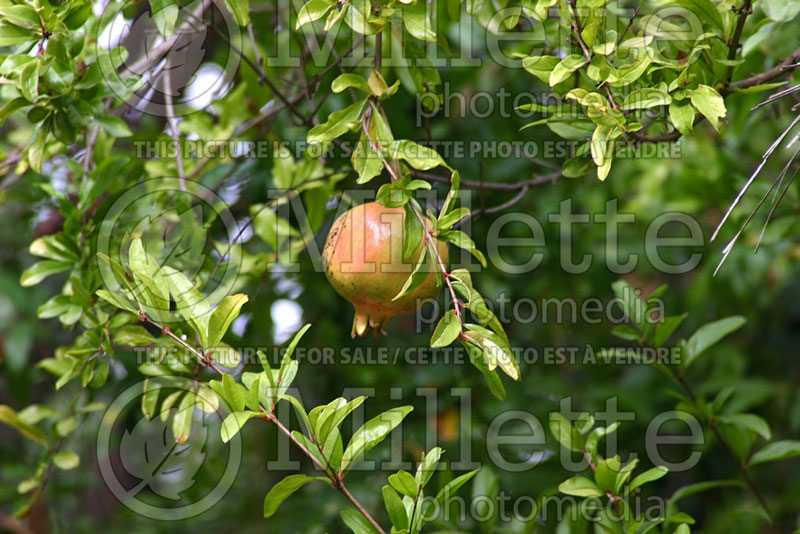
{"x": 363, "y": 258}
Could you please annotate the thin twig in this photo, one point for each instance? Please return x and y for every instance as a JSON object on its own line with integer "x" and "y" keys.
{"x": 88, "y": 155}
{"x": 729, "y": 451}
{"x": 173, "y": 127}
{"x": 203, "y": 359}
{"x": 577, "y": 29}
{"x": 337, "y": 481}
{"x": 733, "y": 47}
{"x": 539, "y": 179}
{"x": 630, "y": 23}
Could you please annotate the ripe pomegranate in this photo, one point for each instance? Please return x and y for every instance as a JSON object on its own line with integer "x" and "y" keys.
{"x": 363, "y": 259}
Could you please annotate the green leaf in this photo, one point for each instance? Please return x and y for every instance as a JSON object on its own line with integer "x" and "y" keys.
{"x": 420, "y": 273}
{"x": 233, "y": 393}
{"x": 606, "y": 473}
{"x": 114, "y": 126}
{"x": 780, "y": 10}
{"x": 446, "y": 222}
{"x": 240, "y": 10}
{"x": 492, "y": 380}
{"x": 462, "y": 240}
{"x": 693, "y": 489}
{"x": 705, "y": 10}
{"x": 234, "y": 422}
{"x": 312, "y": 11}
{"x": 133, "y": 336}
{"x": 632, "y": 304}
{"x": 41, "y": 270}
{"x": 447, "y": 330}
{"x": 165, "y": 14}
{"x": 12, "y": 106}
{"x": 405, "y": 483}
{"x": 182, "y": 422}
{"x": 748, "y": 421}
{"x": 580, "y": 487}
{"x": 708, "y": 102}
{"x": 780, "y": 450}
{"x": 10, "y": 417}
{"x": 648, "y": 476}
{"x": 422, "y": 158}
{"x": 349, "y": 79}
{"x": 413, "y": 232}
{"x": 541, "y": 66}
{"x": 150, "y": 393}
{"x": 78, "y": 15}
{"x": 223, "y": 316}
{"x": 191, "y": 304}
{"x": 13, "y": 35}
{"x": 427, "y": 466}
{"x": 66, "y": 460}
{"x": 565, "y": 433}
{"x": 453, "y": 486}
{"x": 366, "y": 162}
{"x": 646, "y": 98}
{"x": 284, "y": 489}
{"x": 337, "y": 124}
{"x": 357, "y": 522}
{"x": 35, "y": 413}
{"x": 395, "y": 508}
{"x": 29, "y": 81}
{"x": 565, "y": 67}
{"x": 709, "y": 335}
{"x": 295, "y": 340}
{"x": 21, "y": 13}
{"x": 417, "y": 23}
{"x": 372, "y": 433}
{"x": 665, "y": 328}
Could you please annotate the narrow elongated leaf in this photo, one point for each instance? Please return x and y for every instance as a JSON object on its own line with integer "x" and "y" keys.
{"x": 357, "y": 522}
{"x": 10, "y": 417}
{"x": 284, "y": 489}
{"x": 780, "y": 450}
{"x": 405, "y": 483}
{"x": 648, "y": 476}
{"x": 395, "y": 508}
{"x": 580, "y": 487}
{"x": 709, "y": 335}
{"x": 748, "y": 421}
{"x": 337, "y": 124}
{"x": 447, "y": 330}
{"x": 223, "y": 316}
{"x": 234, "y": 422}
{"x": 372, "y": 433}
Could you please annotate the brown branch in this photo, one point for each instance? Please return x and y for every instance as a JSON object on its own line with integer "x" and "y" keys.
{"x": 341, "y": 487}
{"x": 337, "y": 481}
{"x": 733, "y": 47}
{"x": 787, "y": 65}
{"x": 630, "y": 23}
{"x": 540, "y": 179}
{"x": 576, "y": 28}
{"x": 203, "y": 359}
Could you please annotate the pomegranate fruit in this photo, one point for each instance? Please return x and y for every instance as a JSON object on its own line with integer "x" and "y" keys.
{"x": 363, "y": 259}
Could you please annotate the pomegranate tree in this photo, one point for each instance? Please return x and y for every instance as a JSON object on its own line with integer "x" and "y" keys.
{"x": 363, "y": 258}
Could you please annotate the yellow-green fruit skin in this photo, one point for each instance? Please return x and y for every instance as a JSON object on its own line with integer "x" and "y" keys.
{"x": 363, "y": 259}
